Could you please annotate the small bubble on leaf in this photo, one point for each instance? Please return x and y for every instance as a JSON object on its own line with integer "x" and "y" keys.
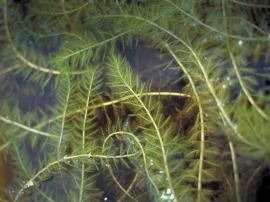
{"x": 240, "y": 43}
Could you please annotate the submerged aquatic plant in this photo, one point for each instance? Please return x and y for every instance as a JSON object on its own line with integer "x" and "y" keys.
{"x": 134, "y": 100}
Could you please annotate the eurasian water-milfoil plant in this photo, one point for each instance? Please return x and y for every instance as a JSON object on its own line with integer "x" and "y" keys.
{"x": 86, "y": 117}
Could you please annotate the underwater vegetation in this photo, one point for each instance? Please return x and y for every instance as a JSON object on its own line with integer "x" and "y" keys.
{"x": 135, "y": 100}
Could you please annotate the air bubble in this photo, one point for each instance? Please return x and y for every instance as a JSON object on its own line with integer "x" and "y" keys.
{"x": 220, "y": 104}
{"x": 29, "y": 184}
{"x": 220, "y": 36}
{"x": 235, "y": 127}
{"x": 160, "y": 172}
{"x": 151, "y": 162}
{"x": 204, "y": 40}
{"x": 167, "y": 195}
{"x": 28, "y": 188}
{"x": 168, "y": 191}
{"x": 240, "y": 43}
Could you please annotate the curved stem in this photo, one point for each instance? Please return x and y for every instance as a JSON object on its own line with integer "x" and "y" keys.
{"x": 41, "y": 68}
{"x": 215, "y": 29}
{"x": 129, "y": 187}
{"x": 202, "y": 128}
{"x": 237, "y": 72}
{"x": 64, "y": 159}
{"x": 142, "y": 152}
{"x": 235, "y": 172}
